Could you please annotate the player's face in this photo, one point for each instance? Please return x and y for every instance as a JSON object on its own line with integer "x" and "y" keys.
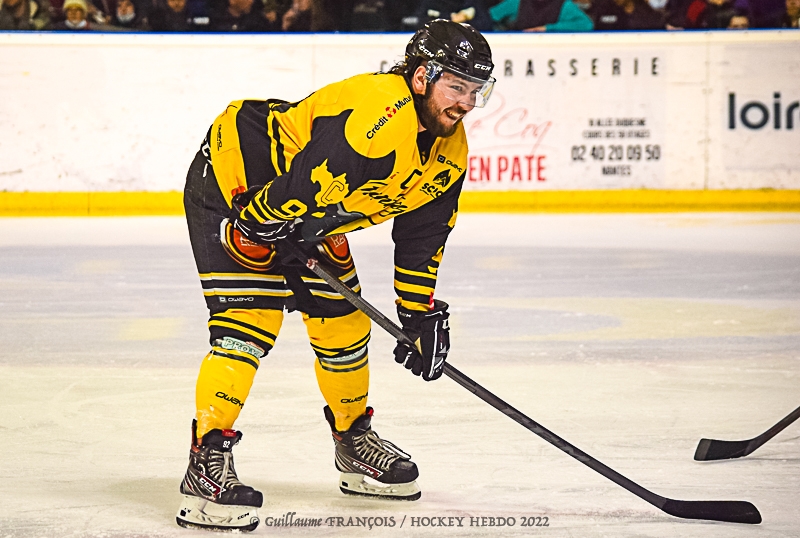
{"x": 446, "y": 103}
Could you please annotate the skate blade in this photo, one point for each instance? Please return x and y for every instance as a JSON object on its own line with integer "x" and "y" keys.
{"x": 355, "y": 484}
{"x": 198, "y": 513}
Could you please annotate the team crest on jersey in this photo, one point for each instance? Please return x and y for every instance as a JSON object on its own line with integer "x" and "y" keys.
{"x": 442, "y": 178}
{"x": 332, "y": 190}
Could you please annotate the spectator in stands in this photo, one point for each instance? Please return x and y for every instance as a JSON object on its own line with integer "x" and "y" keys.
{"x": 127, "y": 17}
{"x": 791, "y": 18}
{"x": 100, "y": 11}
{"x": 75, "y": 12}
{"x": 298, "y": 17}
{"x": 24, "y": 14}
{"x": 625, "y": 15}
{"x": 273, "y": 15}
{"x": 366, "y": 16}
{"x": 767, "y": 13}
{"x": 473, "y": 12}
{"x": 537, "y": 16}
{"x": 738, "y": 21}
{"x": 710, "y": 14}
{"x": 241, "y": 16}
{"x": 676, "y": 14}
{"x": 170, "y": 16}
{"x": 541, "y": 16}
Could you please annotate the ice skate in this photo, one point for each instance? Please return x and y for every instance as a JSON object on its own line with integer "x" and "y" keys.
{"x": 371, "y": 466}
{"x": 213, "y": 497}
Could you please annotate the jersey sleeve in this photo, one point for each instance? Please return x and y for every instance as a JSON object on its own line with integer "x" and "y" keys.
{"x": 323, "y": 173}
{"x": 419, "y": 237}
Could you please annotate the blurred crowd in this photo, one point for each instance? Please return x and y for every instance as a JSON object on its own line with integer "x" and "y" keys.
{"x": 393, "y": 15}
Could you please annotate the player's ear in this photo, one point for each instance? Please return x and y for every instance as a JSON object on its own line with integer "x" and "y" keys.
{"x": 418, "y": 81}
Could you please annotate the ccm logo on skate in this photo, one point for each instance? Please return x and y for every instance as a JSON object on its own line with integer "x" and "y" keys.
{"x": 374, "y": 473}
{"x": 234, "y": 401}
{"x": 354, "y": 400}
{"x": 209, "y": 484}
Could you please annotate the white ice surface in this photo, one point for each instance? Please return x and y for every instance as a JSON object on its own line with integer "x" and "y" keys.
{"x": 631, "y": 336}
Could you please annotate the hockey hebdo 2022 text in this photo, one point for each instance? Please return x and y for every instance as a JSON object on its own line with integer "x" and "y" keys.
{"x": 291, "y": 519}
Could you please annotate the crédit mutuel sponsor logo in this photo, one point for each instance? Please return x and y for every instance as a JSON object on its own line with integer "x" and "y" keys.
{"x": 755, "y": 115}
{"x": 390, "y": 112}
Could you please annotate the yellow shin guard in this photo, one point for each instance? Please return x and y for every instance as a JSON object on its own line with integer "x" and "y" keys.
{"x": 242, "y": 339}
{"x": 342, "y": 365}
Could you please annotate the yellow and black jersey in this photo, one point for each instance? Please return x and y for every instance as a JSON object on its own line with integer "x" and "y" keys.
{"x": 345, "y": 158}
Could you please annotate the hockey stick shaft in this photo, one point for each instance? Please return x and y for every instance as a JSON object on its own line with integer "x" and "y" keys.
{"x": 732, "y": 511}
{"x": 714, "y": 449}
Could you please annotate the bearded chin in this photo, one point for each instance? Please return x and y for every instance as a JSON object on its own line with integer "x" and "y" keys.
{"x": 429, "y": 117}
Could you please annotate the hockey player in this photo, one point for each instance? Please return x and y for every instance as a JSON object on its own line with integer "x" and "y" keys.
{"x": 351, "y": 155}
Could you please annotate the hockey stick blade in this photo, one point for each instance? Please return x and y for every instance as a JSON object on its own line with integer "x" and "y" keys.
{"x": 713, "y": 449}
{"x": 730, "y": 511}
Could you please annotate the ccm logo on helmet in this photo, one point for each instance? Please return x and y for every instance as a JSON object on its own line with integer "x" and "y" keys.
{"x": 390, "y": 112}
{"x": 483, "y": 67}
{"x": 424, "y": 49}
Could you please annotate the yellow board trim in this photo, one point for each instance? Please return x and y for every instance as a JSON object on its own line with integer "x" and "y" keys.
{"x": 90, "y": 204}
{"x": 628, "y": 201}
{"x": 72, "y": 204}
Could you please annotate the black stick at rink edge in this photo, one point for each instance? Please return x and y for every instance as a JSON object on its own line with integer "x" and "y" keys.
{"x": 730, "y": 511}
{"x": 714, "y": 449}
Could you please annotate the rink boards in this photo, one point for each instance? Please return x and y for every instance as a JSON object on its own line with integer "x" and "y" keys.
{"x": 603, "y": 121}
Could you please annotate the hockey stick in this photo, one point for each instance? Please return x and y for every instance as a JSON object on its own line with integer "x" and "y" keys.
{"x": 731, "y": 511}
{"x": 713, "y": 449}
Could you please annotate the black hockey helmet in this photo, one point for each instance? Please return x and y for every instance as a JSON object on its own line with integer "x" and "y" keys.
{"x": 455, "y": 48}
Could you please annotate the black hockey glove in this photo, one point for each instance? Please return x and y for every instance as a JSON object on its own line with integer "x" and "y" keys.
{"x": 430, "y": 331}
{"x": 257, "y": 232}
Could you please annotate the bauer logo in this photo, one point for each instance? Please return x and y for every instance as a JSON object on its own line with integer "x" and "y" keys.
{"x": 755, "y": 115}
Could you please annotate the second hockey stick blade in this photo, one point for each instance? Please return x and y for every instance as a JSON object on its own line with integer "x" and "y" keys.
{"x": 730, "y": 511}
{"x": 714, "y": 449}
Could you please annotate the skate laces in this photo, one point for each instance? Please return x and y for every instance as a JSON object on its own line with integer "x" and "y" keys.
{"x": 220, "y": 467}
{"x": 376, "y": 451}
